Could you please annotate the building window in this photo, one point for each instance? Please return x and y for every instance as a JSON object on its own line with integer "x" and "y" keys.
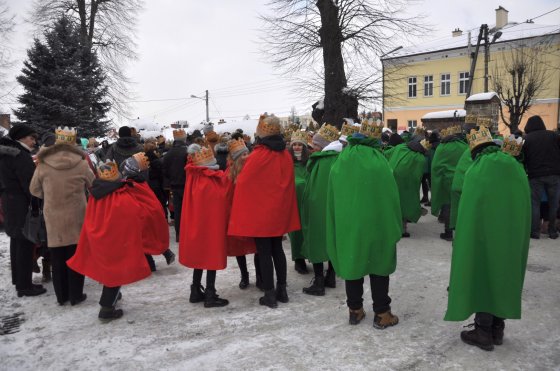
{"x": 412, "y": 87}
{"x": 445, "y": 84}
{"x": 412, "y": 124}
{"x": 429, "y": 86}
{"x": 463, "y": 82}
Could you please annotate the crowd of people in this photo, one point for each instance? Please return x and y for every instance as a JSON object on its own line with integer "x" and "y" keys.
{"x": 344, "y": 198}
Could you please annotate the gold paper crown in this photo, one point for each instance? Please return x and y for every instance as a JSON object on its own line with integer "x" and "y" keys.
{"x": 287, "y": 134}
{"x": 65, "y": 135}
{"x": 236, "y": 145}
{"x": 513, "y": 145}
{"x": 299, "y": 136}
{"x": 471, "y": 119}
{"x": 108, "y": 170}
{"x": 268, "y": 125}
{"x": 203, "y": 157}
{"x": 349, "y": 130}
{"x": 142, "y": 160}
{"x": 179, "y": 134}
{"x": 371, "y": 130}
{"x": 478, "y": 137}
{"x": 426, "y": 144}
{"x": 420, "y": 131}
{"x": 328, "y": 132}
{"x": 452, "y": 130}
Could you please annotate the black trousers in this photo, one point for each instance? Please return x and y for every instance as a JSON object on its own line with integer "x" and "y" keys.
{"x": 445, "y": 214}
{"x": 109, "y": 296}
{"x": 271, "y": 258}
{"x": 425, "y": 186}
{"x": 177, "y": 205}
{"x": 68, "y": 284}
{"x": 242, "y": 263}
{"x": 551, "y": 185}
{"x": 21, "y": 262}
{"x": 210, "y": 278}
{"x": 379, "y": 293}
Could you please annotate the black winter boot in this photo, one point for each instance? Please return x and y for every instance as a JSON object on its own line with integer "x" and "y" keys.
{"x": 269, "y": 299}
{"x": 107, "y": 314}
{"x": 244, "y": 283}
{"x": 498, "y": 331}
{"x": 480, "y": 337}
{"x": 317, "y": 288}
{"x": 281, "y": 293}
{"x": 447, "y": 235}
{"x": 197, "y": 294}
{"x": 169, "y": 256}
{"x": 300, "y": 266}
{"x": 330, "y": 278}
{"x": 211, "y": 300}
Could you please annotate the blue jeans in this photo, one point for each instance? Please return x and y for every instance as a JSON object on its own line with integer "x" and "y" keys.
{"x": 550, "y": 184}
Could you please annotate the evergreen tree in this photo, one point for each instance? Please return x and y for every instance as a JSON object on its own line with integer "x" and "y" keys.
{"x": 64, "y": 84}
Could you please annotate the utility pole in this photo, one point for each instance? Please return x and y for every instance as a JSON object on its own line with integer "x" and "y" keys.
{"x": 486, "y": 57}
{"x": 207, "y": 111}
{"x": 474, "y": 57}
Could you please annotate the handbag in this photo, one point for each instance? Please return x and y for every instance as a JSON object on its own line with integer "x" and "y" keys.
{"x": 34, "y": 228}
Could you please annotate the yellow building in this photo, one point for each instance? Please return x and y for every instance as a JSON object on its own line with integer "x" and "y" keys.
{"x": 434, "y": 76}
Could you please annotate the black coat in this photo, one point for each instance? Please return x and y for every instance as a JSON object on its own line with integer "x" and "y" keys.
{"x": 541, "y": 152}
{"x": 221, "y": 150}
{"x": 16, "y": 171}
{"x": 174, "y": 163}
{"x": 122, "y": 149}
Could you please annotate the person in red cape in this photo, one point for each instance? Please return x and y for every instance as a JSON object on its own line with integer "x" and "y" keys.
{"x": 265, "y": 206}
{"x": 240, "y": 246}
{"x": 119, "y": 227}
{"x": 202, "y": 239}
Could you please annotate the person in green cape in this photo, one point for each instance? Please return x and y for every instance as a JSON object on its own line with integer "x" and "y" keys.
{"x": 300, "y": 154}
{"x": 394, "y": 140}
{"x": 491, "y": 244}
{"x": 445, "y": 160}
{"x": 363, "y": 224}
{"x": 407, "y": 162}
{"x": 314, "y": 208}
{"x": 465, "y": 161}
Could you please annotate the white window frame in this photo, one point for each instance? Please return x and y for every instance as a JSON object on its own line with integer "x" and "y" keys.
{"x": 413, "y": 85}
{"x": 464, "y": 80}
{"x": 412, "y": 124}
{"x": 441, "y": 81}
{"x": 429, "y": 83}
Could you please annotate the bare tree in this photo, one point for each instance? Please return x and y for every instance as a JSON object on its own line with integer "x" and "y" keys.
{"x": 7, "y": 25}
{"x": 109, "y": 27}
{"x": 517, "y": 80}
{"x": 333, "y": 45}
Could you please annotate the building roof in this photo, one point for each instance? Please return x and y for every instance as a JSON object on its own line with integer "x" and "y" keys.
{"x": 444, "y": 114}
{"x": 481, "y": 96}
{"x": 511, "y": 31}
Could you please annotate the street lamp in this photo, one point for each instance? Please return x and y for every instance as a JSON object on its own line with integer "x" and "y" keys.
{"x": 205, "y": 99}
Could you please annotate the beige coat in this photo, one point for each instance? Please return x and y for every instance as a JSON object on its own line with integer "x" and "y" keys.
{"x": 60, "y": 179}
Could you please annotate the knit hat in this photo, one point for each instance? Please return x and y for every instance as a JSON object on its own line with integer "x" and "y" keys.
{"x": 135, "y": 164}
{"x": 201, "y": 156}
{"x": 211, "y": 137}
{"x": 48, "y": 139}
{"x": 108, "y": 171}
{"x": 179, "y": 134}
{"x": 124, "y": 131}
{"x": 299, "y": 137}
{"x": 19, "y": 131}
{"x": 268, "y": 125}
{"x": 237, "y": 148}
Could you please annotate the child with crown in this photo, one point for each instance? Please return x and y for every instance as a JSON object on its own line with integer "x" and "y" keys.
{"x": 265, "y": 206}
{"x": 491, "y": 243}
{"x": 364, "y": 224}
{"x": 314, "y": 205}
{"x": 121, "y": 225}
{"x": 202, "y": 241}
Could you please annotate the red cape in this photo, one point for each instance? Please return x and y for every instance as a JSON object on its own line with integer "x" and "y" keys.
{"x": 202, "y": 240}
{"x": 264, "y": 200}
{"x": 238, "y": 246}
{"x": 110, "y": 246}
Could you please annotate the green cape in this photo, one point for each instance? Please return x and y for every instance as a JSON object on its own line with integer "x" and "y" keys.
{"x": 492, "y": 240}
{"x": 387, "y": 151}
{"x": 315, "y": 205}
{"x": 408, "y": 169}
{"x": 364, "y": 221}
{"x": 296, "y": 237}
{"x": 457, "y": 185}
{"x": 443, "y": 168}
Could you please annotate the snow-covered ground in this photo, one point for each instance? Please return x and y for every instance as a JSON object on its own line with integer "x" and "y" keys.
{"x": 162, "y": 330}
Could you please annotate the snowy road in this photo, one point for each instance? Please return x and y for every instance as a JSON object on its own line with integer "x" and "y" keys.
{"x": 162, "y": 330}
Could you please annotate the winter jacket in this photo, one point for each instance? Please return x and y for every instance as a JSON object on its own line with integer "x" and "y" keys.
{"x": 60, "y": 179}
{"x": 16, "y": 171}
{"x": 122, "y": 149}
{"x": 174, "y": 163}
{"x": 541, "y": 151}
{"x": 221, "y": 152}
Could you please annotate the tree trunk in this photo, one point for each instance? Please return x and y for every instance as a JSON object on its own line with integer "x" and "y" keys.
{"x": 338, "y": 103}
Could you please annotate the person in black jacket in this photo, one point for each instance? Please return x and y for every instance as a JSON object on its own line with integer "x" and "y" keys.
{"x": 174, "y": 163}
{"x": 16, "y": 171}
{"x": 221, "y": 151}
{"x": 124, "y": 147}
{"x": 541, "y": 153}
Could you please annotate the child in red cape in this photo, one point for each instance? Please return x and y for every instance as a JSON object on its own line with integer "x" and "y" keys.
{"x": 202, "y": 239}
{"x": 123, "y": 221}
{"x": 265, "y": 206}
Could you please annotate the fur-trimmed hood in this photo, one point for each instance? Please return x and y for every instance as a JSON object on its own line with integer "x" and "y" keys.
{"x": 61, "y": 156}
{"x": 9, "y": 147}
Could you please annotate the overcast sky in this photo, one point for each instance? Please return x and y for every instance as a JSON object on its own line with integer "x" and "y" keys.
{"x": 188, "y": 46}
